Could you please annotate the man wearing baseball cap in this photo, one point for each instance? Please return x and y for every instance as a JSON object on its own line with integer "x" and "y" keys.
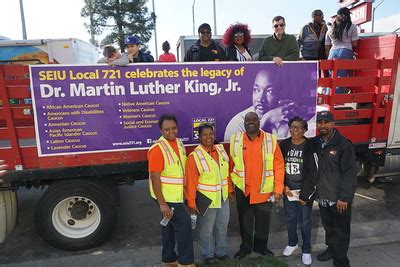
{"x": 205, "y": 48}
{"x": 330, "y": 173}
{"x": 133, "y": 54}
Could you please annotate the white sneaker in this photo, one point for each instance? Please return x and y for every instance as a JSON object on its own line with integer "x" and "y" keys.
{"x": 306, "y": 258}
{"x": 289, "y": 250}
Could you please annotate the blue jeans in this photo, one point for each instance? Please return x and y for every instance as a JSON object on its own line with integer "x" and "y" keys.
{"x": 213, "y": 228}
{"x": 179, "y": 229}
{"x": 341, "y": 53}
{"x": 298, "y": 214}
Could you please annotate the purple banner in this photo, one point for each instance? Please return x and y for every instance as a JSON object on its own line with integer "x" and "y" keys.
{"x": 81, "y": 109}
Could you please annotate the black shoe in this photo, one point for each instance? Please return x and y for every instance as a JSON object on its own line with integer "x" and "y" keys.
{"x": 209, "y": 261}
{"x": 241, "y": 254}
{"x": 266, "y": 252}
{"x": 223, "y": 258}
{"x": 325, "y": 256}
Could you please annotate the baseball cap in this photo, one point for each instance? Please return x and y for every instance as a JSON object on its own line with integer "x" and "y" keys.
{"x": 204, "y": 26}
{"x": 132, "y": 40}
{"x": 325, "y": 115}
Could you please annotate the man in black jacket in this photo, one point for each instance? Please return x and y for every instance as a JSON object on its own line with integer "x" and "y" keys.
{"x": 330, "y": 171}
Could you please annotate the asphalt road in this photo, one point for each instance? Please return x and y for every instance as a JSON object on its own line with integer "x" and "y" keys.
{"x": 138, "y": 223}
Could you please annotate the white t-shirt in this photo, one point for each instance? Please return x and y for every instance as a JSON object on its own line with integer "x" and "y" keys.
{"x": 347, "y": 38}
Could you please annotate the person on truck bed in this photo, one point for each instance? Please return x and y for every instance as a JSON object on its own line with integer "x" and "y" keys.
{"x": 110, "y": 54}
{"x": 205, "y": 49}
{"x": 167, "y": 56}
{"x": 167, "y": 159}
{"x": 330, "y": 173}
{"x": 133, "y": 54}
{"x": 280, "y": 46}
{"x": 340, "y": 41}
{"x": 311, "y": 38}
{"x": 236, "y": 38}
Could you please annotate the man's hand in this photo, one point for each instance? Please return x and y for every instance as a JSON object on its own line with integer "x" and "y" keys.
{"x": 341, "y": 206}
{"x": 277, "y": 196}
{"x": 194, "y": 210}
{"x": 302, "y": 202}
{"x": 166, "y": 211}
{"x": 278, "y": 61}
{"x": 287, "y": 191}
{"x": 231, "y": 196}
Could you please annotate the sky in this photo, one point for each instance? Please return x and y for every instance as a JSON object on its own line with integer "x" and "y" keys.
{"x": 61, "y": 18}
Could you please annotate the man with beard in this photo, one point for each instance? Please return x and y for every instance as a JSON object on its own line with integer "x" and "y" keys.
{"x": 312, "y": 38}
{"x": 330, "y": 171}
{"x": 257, "y": 171}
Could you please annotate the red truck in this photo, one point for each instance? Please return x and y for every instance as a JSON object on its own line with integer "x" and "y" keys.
{"x": 78, "y": 210}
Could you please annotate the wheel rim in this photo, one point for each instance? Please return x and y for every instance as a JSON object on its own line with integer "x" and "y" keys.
{"x": 76, "y": 217}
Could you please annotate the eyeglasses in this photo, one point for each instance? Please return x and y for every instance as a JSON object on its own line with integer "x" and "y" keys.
{"x": 238, "y": 34}
{"x": 205, "y": 32}
{"x": 279, "y": 25}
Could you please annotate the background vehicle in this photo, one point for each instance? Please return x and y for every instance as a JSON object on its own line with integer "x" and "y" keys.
{"x": 78, "y": 210}
{"x": 45, "y": 51}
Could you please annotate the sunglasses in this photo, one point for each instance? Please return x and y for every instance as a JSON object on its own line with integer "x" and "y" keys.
{"x": 205, "y": 32}
{"x": 279, "y": 25}
{"x": 238, "y": 34}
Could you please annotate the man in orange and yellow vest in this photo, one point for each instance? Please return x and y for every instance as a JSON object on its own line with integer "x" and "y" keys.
{"x": 167, "y": 158}
{"x": 257, "y": 172}
{"x": 207, "y": 170}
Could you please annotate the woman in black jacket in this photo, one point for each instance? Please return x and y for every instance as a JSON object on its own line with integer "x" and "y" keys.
{"x": 236, "y": 38}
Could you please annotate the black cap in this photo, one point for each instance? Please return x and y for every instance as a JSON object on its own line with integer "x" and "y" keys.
{"x": 325, "y": 115}
{"x": 204, "y": 26}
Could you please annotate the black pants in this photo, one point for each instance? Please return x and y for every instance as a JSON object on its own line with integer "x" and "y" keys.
{"x": 337, "y": 236}
{"x": 254, "y": 223}
{"x": 178, "y": 230}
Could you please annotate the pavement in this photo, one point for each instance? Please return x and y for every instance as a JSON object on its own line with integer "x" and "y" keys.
{"x": 136, "y": 241}
{"x": 375, "y": 250}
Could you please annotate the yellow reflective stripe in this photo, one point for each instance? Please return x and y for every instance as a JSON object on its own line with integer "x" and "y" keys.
{"x": 269, "y": 173}
{"x": 170, "y": 180}
{"x": 269, "y": 145}
{"x": 168, "y": 152}
{"x": 224, "y": 182}
{"x": 222, "y": 152}
{"x": 236, "y": 144}
{"x": 203, "y": 160}
{"x": 240, "y": 173}
{"x": 212, "y": 188}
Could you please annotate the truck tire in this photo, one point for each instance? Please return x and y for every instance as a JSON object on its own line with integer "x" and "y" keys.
{"x": 8, "y": 212}
{"x": 76, "y": 214}
{"x": 3, "y": 218}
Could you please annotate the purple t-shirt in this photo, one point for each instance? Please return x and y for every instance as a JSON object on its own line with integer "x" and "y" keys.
{"x": 347, "y": 38}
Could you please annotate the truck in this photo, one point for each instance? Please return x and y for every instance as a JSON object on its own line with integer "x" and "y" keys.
{"x": 79, "y": 207}
{"x": 47, "y": 51}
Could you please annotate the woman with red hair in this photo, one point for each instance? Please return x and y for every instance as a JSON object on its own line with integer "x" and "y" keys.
{"x": 236, "y": 38}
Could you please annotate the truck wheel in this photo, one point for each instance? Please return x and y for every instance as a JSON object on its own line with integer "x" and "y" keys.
{"x": 8, "y": 212}
{"x": 76, "y": 214}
